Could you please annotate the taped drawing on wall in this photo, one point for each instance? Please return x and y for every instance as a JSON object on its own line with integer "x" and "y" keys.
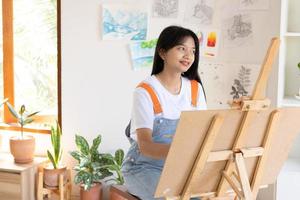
{"x": 237, "y": 30}
{"x": 221, "y": 86}
{"x": 241, "y": 83}
{"x": 254, "y": 4}
{"x": 165, "y": 8}
{"x": 121, "y": 21}
{"x": 200, "y": 12}
{"x": 209, "y": 41}
{"x": 142, "y": 53}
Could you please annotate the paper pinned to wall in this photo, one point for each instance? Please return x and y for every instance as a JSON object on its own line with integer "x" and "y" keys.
{"x": 221, "y": 86}
{"x": 165, "y": 8}
{"x": 200, "y": 12}
{"x": 237, "y": 29}
{"x": 209, "y": 41}
{"x": 142, "y": 53}
{"x": 254, "y": 4}
{"x": 122, "y": 21}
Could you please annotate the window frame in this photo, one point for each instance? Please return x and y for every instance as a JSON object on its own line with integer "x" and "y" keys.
{"x": 8, "y": 70}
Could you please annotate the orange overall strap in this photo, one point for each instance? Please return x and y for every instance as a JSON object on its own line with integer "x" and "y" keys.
{"x": 194, "y": 88}
{"x": 156, "y": 105}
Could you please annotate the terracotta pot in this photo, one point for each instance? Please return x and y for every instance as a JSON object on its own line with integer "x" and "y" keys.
{"x": 22, "y": 149}
{"x": 95, "y": 193}
{"x": 51, "y": 176}
{"x": 119, "y": 192}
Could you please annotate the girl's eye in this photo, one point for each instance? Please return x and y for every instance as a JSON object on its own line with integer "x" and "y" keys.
{"x": 181, "y": 48}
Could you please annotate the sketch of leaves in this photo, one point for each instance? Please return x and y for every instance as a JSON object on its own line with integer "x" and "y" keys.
{"x": 240, "y": 84}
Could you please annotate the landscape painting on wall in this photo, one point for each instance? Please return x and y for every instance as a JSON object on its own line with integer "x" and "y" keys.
{"x": 142, "y": 53}
{"x": 121, "y": 21}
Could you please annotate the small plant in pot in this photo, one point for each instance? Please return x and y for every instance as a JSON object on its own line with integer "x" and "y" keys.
{"x": 55, "y": 169}
{"x": 22, "y": 147}
{"x": 88, "y": 170}
{"x": 114, "y": 164}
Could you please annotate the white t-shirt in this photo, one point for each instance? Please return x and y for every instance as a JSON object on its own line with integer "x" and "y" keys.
{"x": 172, "y": 105}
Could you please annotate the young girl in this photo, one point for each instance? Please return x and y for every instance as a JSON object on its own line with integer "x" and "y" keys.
{"x": 174, "y": 86}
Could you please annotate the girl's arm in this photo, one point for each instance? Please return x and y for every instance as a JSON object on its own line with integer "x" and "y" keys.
{"x": 150, "y": 148}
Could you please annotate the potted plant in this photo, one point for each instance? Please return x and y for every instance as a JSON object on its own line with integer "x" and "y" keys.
{"x": 88, "y": 170}
{"x": 114, "y": 164}
{"x": 22, "y": 147}
{"x": 52, "y": 171}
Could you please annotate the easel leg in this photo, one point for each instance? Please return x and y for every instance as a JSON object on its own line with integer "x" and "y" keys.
{"x": 242, "y": 172}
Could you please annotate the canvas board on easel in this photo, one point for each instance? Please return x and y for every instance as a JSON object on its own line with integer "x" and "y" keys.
{"x": 191, "y": 132}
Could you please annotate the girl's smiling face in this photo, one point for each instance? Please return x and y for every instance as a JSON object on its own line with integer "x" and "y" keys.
{"x": 180, "y": 57}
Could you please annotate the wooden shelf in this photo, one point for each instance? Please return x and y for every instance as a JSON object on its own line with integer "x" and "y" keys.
{"x": 17, "y": 181}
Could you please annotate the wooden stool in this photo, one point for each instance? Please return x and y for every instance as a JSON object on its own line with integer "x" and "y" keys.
{"x": 62, "y": 190}
{"x": 119, "y": 192}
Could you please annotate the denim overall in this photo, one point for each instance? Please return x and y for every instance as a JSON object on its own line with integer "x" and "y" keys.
{"x": 141, "y": 174}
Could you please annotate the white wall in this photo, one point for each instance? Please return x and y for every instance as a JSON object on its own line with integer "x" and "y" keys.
{"x": 97, "y": 80}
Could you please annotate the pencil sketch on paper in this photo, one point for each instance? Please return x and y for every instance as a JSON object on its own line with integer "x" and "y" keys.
{"x": 238, "y": 30}
{"x": 200, "y": 12}
{"x": 241, "y": 83}
{"x": 165, "y": 8}
{"x": 224, "y": 81}
{"x": 254, "y": 4}
{"x": 124, "y": 22}
{"x": 214, "y": 83}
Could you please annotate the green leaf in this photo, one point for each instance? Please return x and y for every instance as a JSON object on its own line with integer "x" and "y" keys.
{"x": 22, "y": 110}
{"x": 32, "y": 114}
{"x": 3, "y": 102}
{"x": 119, "y": 156}
{"x": 84, "y": 162}
{"x": 27, "y": 121}
{"x": 82, "y": 144}
{"x": 96, "y": 143}
{"x": 76, "y": 154}
{"x": 12, "y": 110}
{"x": 52, "y": 159}
{"x": 299, "y": 65}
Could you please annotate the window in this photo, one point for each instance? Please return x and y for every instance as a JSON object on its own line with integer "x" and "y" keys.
{"x": 30, "y": 68}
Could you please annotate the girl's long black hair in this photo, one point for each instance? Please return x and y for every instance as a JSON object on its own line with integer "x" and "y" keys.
{"x": 170, "y": 37}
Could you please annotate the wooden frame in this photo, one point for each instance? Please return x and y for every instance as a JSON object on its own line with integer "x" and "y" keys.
{"x": 8, "y": 65}
{"x": 248, "y": 140}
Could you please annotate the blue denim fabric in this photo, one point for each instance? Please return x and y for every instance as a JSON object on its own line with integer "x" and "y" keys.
{"x": 141, "y": 174}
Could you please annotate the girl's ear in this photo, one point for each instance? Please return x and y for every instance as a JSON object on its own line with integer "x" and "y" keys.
{"x": 162, "y": 54}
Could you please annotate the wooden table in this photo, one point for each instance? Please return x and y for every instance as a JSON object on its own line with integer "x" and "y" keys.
{"x": 17, "y": 181}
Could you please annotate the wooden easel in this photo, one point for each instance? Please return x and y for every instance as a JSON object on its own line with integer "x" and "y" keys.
{"x": 209, "y": 157}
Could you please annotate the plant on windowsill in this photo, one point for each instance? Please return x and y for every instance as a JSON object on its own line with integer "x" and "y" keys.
{"x": 22, "y": 147}
{"x": 55, "y": 169}
{"x": 89, "y": 171}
